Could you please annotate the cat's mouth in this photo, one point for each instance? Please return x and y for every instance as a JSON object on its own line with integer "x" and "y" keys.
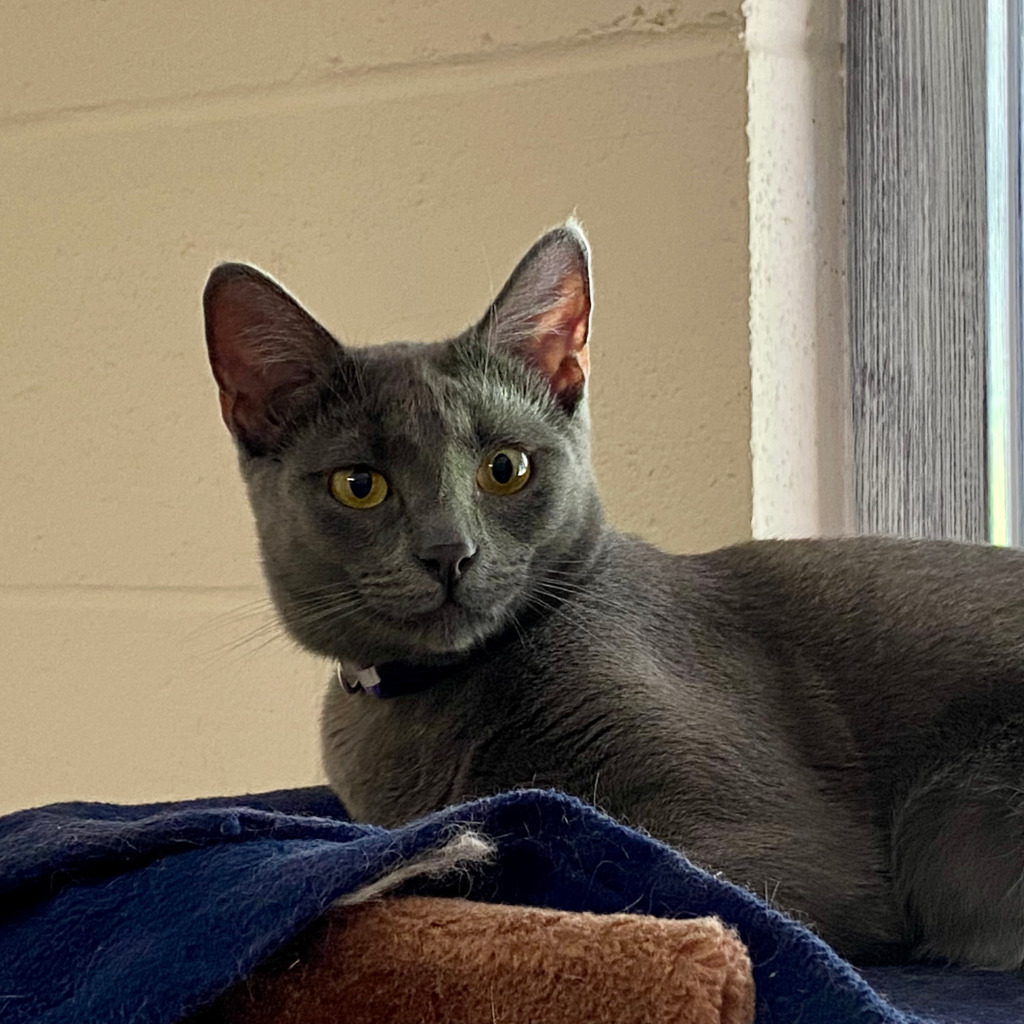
{"x": 448, "y": 625}
{"x": 436, "y": 624}
{"x": 448, "y": 610}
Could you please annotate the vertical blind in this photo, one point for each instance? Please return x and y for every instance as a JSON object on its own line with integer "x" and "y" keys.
{"x": 917, "y": 266}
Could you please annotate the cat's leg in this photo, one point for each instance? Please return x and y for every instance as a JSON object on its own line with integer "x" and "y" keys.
{"x": 958, "y": 854}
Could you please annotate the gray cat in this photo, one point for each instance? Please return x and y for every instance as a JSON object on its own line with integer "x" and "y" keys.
{"x": 835, "y": 722}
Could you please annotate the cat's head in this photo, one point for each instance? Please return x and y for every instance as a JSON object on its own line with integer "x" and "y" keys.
{"x": 413, "y": 500}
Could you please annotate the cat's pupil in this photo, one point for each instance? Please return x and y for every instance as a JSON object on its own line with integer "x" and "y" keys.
{"x": 360, "y": 483}
{"x": 501, "y": 468}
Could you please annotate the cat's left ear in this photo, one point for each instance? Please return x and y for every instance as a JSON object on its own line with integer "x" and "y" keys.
{"x": 543, "y": 312}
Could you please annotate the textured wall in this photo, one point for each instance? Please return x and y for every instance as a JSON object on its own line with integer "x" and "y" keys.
{"x": 798, "y": 313}
{"x": 389, "y": 163}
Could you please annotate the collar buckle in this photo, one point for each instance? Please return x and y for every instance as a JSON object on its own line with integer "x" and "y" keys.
{"x": 354, "y": 679}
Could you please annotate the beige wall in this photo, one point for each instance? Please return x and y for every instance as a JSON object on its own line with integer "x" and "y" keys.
{"x": 389, "y": 162}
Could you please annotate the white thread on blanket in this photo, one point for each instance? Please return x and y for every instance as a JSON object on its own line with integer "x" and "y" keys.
{"x": 460, "y": 852}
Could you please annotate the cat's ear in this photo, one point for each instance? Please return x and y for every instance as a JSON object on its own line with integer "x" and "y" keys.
{"x": 543, "y": 312}
{"x": 269, "y": 356}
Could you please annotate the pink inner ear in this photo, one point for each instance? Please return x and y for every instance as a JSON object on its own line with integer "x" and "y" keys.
{"x": 259, "y": 352}
{"x": 558, "y": 345}
{"x": 243, "y": 361}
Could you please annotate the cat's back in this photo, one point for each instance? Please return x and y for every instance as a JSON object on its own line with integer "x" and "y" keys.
{"x": 850, "y": 590}
{"x": 907, "y": 574}
{"x": 867, "y": 593}
{"x": 897, "y": 632}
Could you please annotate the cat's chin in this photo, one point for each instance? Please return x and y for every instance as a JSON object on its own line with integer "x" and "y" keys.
{"x": 443, "y": 633}
{"x": 379, "y": 633}
{"x": 447, "y": 629}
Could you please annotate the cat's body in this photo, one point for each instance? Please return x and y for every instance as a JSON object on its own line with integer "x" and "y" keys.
{"x": 834, "y": 724}
{"x": 766, "y": 709}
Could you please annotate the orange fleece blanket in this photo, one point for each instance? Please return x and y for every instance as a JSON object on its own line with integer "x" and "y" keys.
{"x": 421, "y": 960}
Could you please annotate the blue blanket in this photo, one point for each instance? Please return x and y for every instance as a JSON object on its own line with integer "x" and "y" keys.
{"x": 144, "y": 913}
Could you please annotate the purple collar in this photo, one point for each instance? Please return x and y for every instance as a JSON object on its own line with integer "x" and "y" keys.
{"x": 389, "y": 679}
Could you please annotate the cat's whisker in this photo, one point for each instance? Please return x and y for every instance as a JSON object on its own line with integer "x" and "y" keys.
{"x": 318, "y": 616}
{"x": 327, "y": 600}
{"x": 262, "y": 610}
{"x": 565, "y": 592}
{"x": 579, "y": 621}
{"x": 339, "y": 587}
{"x": 602, "y": 642}
{"x": 514, "y": 621}
{"x": 240, "y": 613}
{"x": 252, "y": 643}
{"x": 574, "y": 587}
{"x": 248, "y": 647}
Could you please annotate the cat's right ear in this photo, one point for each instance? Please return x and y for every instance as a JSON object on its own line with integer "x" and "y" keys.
{"x": 269, "y": 357}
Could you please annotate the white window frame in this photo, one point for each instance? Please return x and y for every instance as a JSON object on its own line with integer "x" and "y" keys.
{"x": 798, "y": 312}
{"x": 1005, "y": 338}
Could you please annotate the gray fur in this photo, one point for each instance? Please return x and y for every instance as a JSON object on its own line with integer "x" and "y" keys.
{"x": 831, "y": 723}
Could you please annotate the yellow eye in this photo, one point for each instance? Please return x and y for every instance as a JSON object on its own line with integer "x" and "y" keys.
{"x": 358, "y": 487}
{"x": 504, "y": 471}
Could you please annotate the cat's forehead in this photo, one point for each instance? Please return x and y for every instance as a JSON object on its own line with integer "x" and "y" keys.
{"x": 399, "y": 389}
{"x": 412, "y": 402}
{"x": 453, "y": 387}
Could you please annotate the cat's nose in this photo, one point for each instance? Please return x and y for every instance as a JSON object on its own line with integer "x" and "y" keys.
{"x": 447, "y": 562}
